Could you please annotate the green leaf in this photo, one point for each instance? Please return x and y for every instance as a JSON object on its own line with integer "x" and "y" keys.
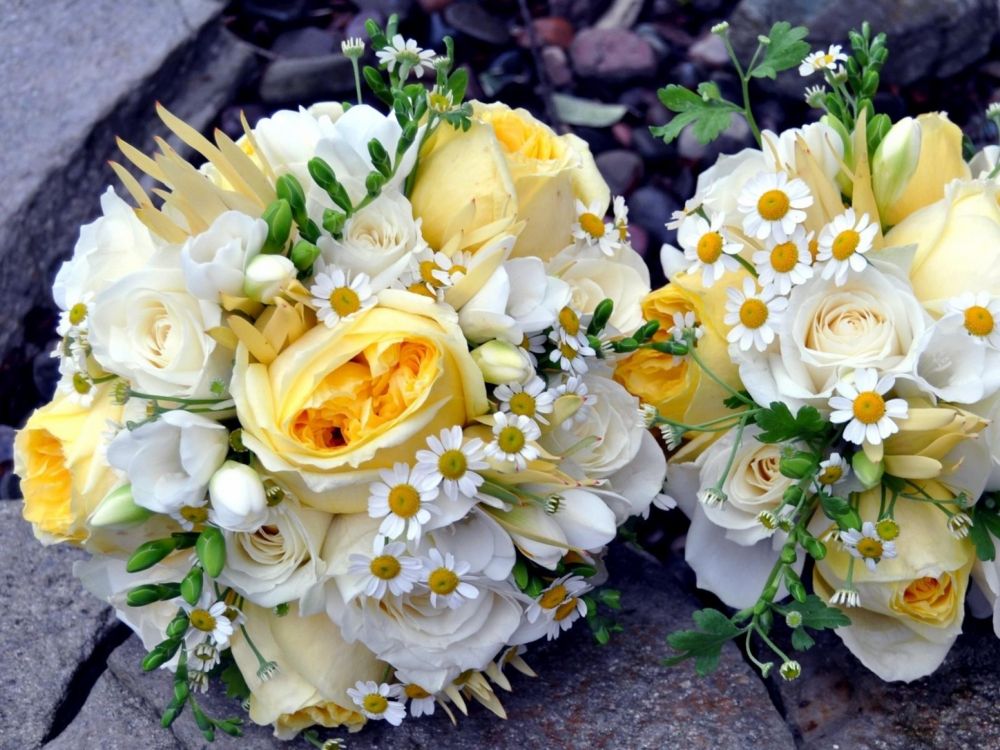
{"x": 817, "y": 614}
{"x": 985, "y": 526}
{"x": 786, "y": 49}
{"x": 985, "y": 549}
{"x": 236, "y": 686}
{"x": 734, "y": 402}
{"x": 587, "y": 112}
{"x": 521, "y": 574}
{"x": 801, "y": 640}
{"x": 709, "y": 116}
{"x": 704, "y": 645}
{"x": 780, "y": 426}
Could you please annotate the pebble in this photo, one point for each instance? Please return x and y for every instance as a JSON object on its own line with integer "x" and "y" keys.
{"x": 473, "y": 20}
{"x": 307, "y": 79}
{"x": 709, "y": 51}
{"x": 612, "y": 55}
{"x": 621, "y": 169}
{"x": 556, "y": 64}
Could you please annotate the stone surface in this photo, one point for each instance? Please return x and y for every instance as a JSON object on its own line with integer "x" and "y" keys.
{"x": 710, "y": 51}
{"x": 621, "y": 169}
{"x": 48, "y": 626}
{"x": 72, "y": 76}
{"x": 473, "y": 19}
{"x": 300, "y": 80}
{"x": 612, "y": 55}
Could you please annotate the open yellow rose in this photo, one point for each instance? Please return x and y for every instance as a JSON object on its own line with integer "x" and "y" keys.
{"x": 340, "y": 403}
{"x": 64, "y": 474}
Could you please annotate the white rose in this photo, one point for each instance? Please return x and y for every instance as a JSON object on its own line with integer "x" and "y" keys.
{"x": 280, "y": 561}
{"x": 239, "y": 502}
{"x": 170, "y": 461}
{"x": 952, "y": 366}
{"x": 872, "y": 321}
{"x": 214, "y": 262}
{"x": 114, "y": 245}
{"x": 149, "y": 329}
{"x": 718, "y": 187}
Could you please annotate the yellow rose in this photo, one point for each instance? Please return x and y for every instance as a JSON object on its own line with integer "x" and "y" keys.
{"x": 315, "y": 669}
{"x": 678, "y": 387}
{"x": 341, "y": 403}
{"x": 508, "y": 164}
{"x": 912, "y": 605}
{"x": 940, "y": 161}
{"x": 64, "y": 474}
{"x": 958, "y": 243}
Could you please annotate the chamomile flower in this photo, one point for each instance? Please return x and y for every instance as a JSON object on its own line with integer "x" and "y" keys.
{"x": 389, "y": 570}
{"x": 575, "y": 386}
{"x": 568, "y": 329}
{"x": 453, "y": 463}
{"x": 513, "y": 436}
{"x": 709, "y": 248}
{"x": 713, "y": 497}
{"x": 189, "y": 516}
{"x": 684, "y": 323}
{"x": 833, "y": 470}
{"x": 407, "y": 55}
{"x": 204, "y": 655}
{"x": 773, "y": 205}
{"x": 591, "y": 229}
{"x": 677, "y": 217}
{"x": 620, "y": 211}
{"x": 443, "y": 577}
{"x": 958, "y": 525}
{"x": 673, "y": 436}
{"x": 378, "y": 701}
{"x": 867, "y": 545}
{"x": 843, "y": 244}
{"x": 981, "y": 314}
{"x": 570, "y": 357}
{"x": 405, "y": 499}
{"x": 782, "y": 265}
{"x": 820, "y": 60}
{"x": 422, "y": 703}
{"x": 532, "y": 399}
{"x": 556, "y": 595}
{"x": 754, "y": 315}
{"x": 210, "y": 618}
{"x": 564, "y": 615}
{"x": 814, "y": 96}
{"x": 846, "y": 598}
{"x": 533, "y": 345}
{"x": 862, "y": 405}
{"x": 337, "y": 296}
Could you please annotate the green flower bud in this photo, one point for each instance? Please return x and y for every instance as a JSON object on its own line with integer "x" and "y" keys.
{"x": 601, "y": 316}
{"x": 797, "y": 465}
{"x": 117, "y": 509}
{"x": 333, "y": 221}
{"x": 161, "y": 654}
{"x": 191, "y": 586}
{"x": 304, "y": 254}
{"x": 178, "y": 626}
{"x": 288, "y": 188}
{"x": 147, "y": 593}
{"x": 793, "y": 495}
{"x": 373, "y": 183}
{"x": 279, "y": 226}
{"x": 867, "y": 472}
{"x": 895, "y": 162}
{"x": 211, "y": 550}
{"x": 793, "y": 619}
{"x": 150, "y": 553}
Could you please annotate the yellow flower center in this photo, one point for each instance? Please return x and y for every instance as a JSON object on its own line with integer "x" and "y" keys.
{"x": 887, "y": 528}
{"x": 592, "y": 224}
{"x": 784, "y": 257}
{"x": 830, "y": 475}
{"x": 457, "y": 269}
{"x": 510, "y": 439}
{"x": 553, "y": 597}
{"x": 565, "y": 609}
{"x": 814, "y": 248}
{"x": 375, "y": 704}
{"x": 202, "y": 619}
{"x": 81, "y": 383}
{"x": 709, "y": 247}
{"x": 869, "y": 407}
{"x": 523, "y": 403}
{"x": 826, "y": 59}
{"x": 420, "y": 288}
{"x": 928, "y": 591}
{"x": 753, "y": 313}
{"x": 194, "y": 515}
{"x": 443, "y": 581}
{"x": 385, "y": 567}
{"x": 415, "y": 692}
{"x": 567, "y": 351}
{"x": 845, "y": 243}
{"x": 77, "y": 313}
{"x": 427, "y": 269}
{"x": 439, "y": 100}
{"x": 452, "y": 464}
{"x": 773, "y": 205}
{"x": 979, "y": 321}
{"x": 404, "y": 500}
{"x": 569, "y": 321}
{"x": 344, "y": 301}
{"x": 869, "y": 547}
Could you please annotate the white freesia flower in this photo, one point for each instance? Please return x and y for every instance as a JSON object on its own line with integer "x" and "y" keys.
{"x": 718, "y": 187}
{"x": 953, "y": 365}
{"x": 288, "y": 138}
{"x": 170, "y": 462}
{"x": 239, "y": 502}
{"x": 215, "y": 261}
{"x": 821, "y": 141}
{"x": 502, "y": 362}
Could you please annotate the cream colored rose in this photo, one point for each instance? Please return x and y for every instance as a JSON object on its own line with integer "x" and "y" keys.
{"x": 718, "y": 187}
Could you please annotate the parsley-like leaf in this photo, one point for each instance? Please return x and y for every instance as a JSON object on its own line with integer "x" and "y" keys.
{"x": 817, "y": 614}
{"x": 709, "y": 114}
{"x": 801, "y": 640}
{"x": 735, "y": 402}
{"x": 236, "y": 686}
{"x": 785, "y": 50}
{"x": 985, "y": 526}
{"x": 778, "y": 425}
{"x": 704, "y": 645}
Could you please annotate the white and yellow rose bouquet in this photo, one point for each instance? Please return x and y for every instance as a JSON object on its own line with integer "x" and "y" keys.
{"x": 826, "y": 371}
{"x": 337, "y": 417}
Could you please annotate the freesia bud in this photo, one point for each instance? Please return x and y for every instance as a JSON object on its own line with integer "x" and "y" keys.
{"x": 239, "y": 502}
{"x": 266, "y": 275}
{"x": 118, "y": 509}
{"x": 895, "y": 162}
{"x": 501, "y": 362}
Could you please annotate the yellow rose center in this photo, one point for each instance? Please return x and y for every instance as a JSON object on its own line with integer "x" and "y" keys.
{"x": 930, "y": 599}
{"x": 979, "y": 321}
{"x": 202, "y": 619}
{"x": 845, "y": 243}
{"x": 385, "y": 567}
{"x": 452, "y": 464}
{"x": 773, "y": 205}
{"x": 194, "y": 515}
{"x": 553, "y": 597}
{"x": 709, "y": 247}
{"x": 569, "y": 321}
{"x": 344, "y": 301}
{"x": 77, "y": 313}
{"x": 869, "y": 407}
{"x": 46, "y": 483}
{"x": 888, "y": 529}
{"x": 375, "y": 704}
{"x": 523, "y": 403}
{"x": 519, "y": 132}
{"x": 784, "y": 257}
{"x": 869, "y": 547}
{"x": 443, "y": 581}
{"x": 753, "y": 313}
{"x": 415, "y": 692}
{"x": 510, "y": 439}
{"x": 830, "y": 475}
{"x": 565, "y": 609}
{"x": 404, "y": 500}
{"x": 592, "y": 224}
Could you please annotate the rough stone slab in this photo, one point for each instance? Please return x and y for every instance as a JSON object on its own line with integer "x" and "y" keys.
{"x": 586, "y": 696}
{"x": 838, "y": 702}
{"x": 48, "y": 625}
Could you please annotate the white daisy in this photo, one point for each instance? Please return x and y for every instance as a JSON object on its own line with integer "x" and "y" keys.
{"x": 820, "y": 60}
{"x": 958, "y": 525}
{"x": 713, "y": 497}
{"x": 443, "y": 578}
{"x": 209, "y": 618}
{"x": 337, "y": 296}
{"x": 533, "y": 345}
{"x": 833, "y": 470}
{"x": 379, "y": 701}
{"x": 532, "y": 399}
{"x": 784, "y": 264}
{"x": 981, "y": 313}
{"x": 388, "y": 570}
{"x": 513, "y": 436}
{"x": 574, "y": 386}
{"x": 452, "y": 463}
{"x": 555, "y": 596}
{"x": 843, "y": 244}
{"x": 677, "y": 217}
{"x": 570, "y": 357}
{"x": 407, "y": 55}
{"x": 620, "y": 210}
{"x": 867, "y": 545}
{"x": 203, "y": 654}
{"x": 405, "y": 499}
{"x": 591, "y": 229}
{"x": 846, "y": 598}
{"x": 709, "y": 247}
{"x": 563, "y": 617}
{"x": 861, "y": 404}
{"x": 189, "y": 516}
{"x": 774, "y": 205}
{"x": 754, "y": 315}
{"x": 422, "y": 703}
{"x": 569, "y": 329}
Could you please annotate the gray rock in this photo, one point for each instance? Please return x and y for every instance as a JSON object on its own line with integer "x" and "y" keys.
{"x": 650, "y": 207}
{"x": 48, "y": 626}
{"x": 307, "y": 79}
{"x": 307, "y": 42}
{"x": 710, "y": 51}
{"x": 557, "y": 66}
{"x": 472, "y": 19}
{"x": 612, "y": 55}
{"x": 385, "y": 7}
{"x": 621, "y": 169}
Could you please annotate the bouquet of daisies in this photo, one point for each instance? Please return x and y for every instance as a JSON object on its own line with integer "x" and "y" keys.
{"x": 337, "y": 418}
{"x": 828, "y": 370}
